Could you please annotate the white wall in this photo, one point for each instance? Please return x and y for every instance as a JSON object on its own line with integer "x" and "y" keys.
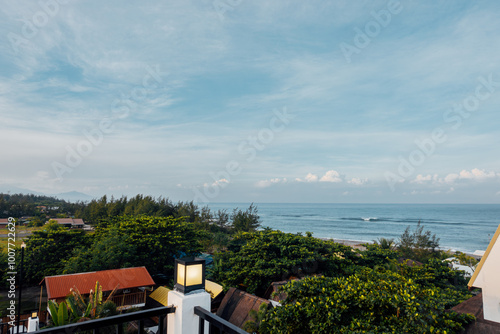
{"x": 489, "y": 281}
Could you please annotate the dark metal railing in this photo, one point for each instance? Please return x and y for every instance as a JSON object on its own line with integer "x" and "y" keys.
{"x": 215, "y": 321}
{"x": 5, "y": 327}
{"x": 117, "y": 321}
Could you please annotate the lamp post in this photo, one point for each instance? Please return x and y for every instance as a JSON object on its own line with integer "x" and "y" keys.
{"x": 23, "y": 246}
{"x": 189, "y": 291}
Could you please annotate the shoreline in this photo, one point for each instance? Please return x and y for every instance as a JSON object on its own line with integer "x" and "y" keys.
{"x": 358, "y": 244}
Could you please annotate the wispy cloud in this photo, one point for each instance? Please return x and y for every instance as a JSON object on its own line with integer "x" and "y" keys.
{"x": 220, "y": 81}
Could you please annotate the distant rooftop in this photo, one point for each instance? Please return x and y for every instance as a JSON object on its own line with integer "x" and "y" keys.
{"x": 59, "y": 286}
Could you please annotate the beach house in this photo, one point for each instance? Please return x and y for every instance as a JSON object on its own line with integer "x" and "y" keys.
{"x": 487, "y": 277}
{"x": 131, "y": 284}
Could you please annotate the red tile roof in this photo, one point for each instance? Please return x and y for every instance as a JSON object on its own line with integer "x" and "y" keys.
{"x": 59, "y": 286}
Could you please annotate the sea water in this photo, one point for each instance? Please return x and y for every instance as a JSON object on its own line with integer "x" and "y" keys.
{"x": 463, "y": 227}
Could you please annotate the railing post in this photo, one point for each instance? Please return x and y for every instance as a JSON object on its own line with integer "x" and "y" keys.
{"x": 184, "y": 321}
{"x": 141, "y": 326}
{"x": 201, "y": 328}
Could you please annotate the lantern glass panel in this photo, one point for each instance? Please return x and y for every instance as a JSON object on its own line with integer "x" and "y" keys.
{"x": 180, "y": 274}
{"x": 194, "y": 274}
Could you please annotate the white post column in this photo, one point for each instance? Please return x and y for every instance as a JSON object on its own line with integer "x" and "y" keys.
{"x": 184, "y": 321}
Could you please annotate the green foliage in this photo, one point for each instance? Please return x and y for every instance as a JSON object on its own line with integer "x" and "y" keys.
{"x": 376, "y": 255}
{"x": 100, "y": 209}
{"x": 252, "y": 326}
{"x": 385, "y": 243}
{"x": 254, "y": 260}
{"x": 18, "y": 205}
{"x": 75, "y": 308}
{"x": 148, "y": 241}
{"x": 436, "y": 273}
{"x": 59, "y": 313}
{"x": 245, "y": 221}
{"x": 466, "y": 260}
{"x": 419, "y": 245}
{"x": 48, "y": 249}
{"x": 368, "y": 301}
{"x": 110, "y": 250}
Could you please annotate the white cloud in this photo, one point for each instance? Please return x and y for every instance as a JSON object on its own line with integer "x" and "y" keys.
{"x": 474, "y": 175}
{"x": 221, "y": 182}
{"x": 357, "y": 181}
{"x": 311, "y": 177}
{"x": 422, "y": 179}
{"x": 331, "y": 176}
{"x": 267, "y": 183}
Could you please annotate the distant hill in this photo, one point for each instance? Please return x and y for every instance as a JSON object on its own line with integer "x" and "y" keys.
{"x": 9, "y": 189}
{"x": 74, "y": 196}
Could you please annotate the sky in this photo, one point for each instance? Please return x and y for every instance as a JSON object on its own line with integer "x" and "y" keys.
{"x": 252, "y": 101}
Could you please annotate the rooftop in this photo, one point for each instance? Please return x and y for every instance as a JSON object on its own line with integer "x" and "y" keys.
{"x": 59, "y": 286}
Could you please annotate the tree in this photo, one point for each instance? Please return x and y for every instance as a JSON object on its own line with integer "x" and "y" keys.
{"x": 148, "y": 241}
{"x": 49, "y": 248}
{"x": 245, "y": 221}
{"x": 419, "y": 245}
{"x": 221, "y": 219}
{"x": 254, "y": 260}
{"x": 367, "y": 302}
{"x": 110, "y": 251}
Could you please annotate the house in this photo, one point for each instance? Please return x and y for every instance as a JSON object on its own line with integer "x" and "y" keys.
{"x": 131, "y": 284}
{"x": 69, "y": 222}
{"x": 4, "y": 222}
{"x": 42, "y": 208}
{"x": 487, "y": 277}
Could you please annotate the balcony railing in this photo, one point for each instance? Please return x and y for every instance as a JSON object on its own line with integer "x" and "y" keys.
{"x": 215, "y": 321}
{"x": 114, "y": 324}
{"x": 129, "y": 299}
{"x": 5, "y": 327}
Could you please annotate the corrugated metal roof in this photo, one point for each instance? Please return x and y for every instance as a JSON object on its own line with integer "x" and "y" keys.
{"x": 236, "y": 306}
{"x": 213, "y": 288}
{"x": 160, "y": 295}
{"x": 59, "y": 286}
{"x": 72, "y": 221}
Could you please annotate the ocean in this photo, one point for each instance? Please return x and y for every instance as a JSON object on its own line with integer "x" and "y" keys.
{"x": 463, "y": 227}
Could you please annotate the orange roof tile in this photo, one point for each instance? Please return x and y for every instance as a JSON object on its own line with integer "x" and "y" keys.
{"x": 59, "y": 286}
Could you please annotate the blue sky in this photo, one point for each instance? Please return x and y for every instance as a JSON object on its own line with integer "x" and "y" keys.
{"x": 263, "y": 101}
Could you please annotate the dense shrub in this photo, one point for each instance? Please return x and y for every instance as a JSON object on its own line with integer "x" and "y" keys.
{"x": 367, "y": 302}
{"x": 254, "y": 260}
